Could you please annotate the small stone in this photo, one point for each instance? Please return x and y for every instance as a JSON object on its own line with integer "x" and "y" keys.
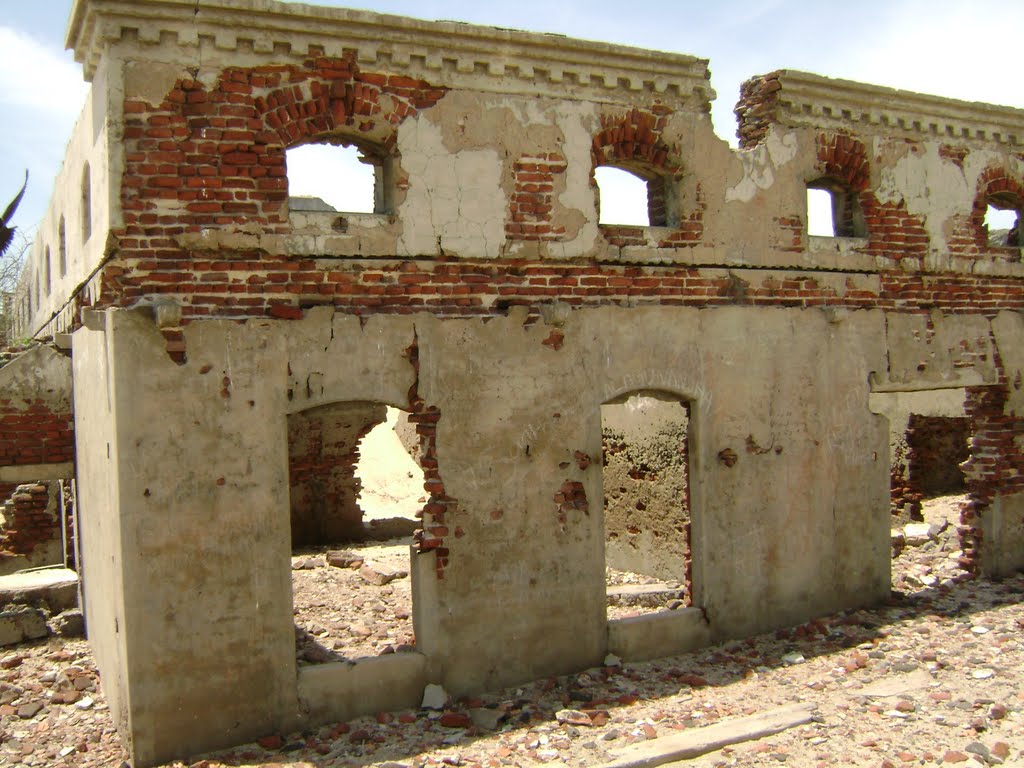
{"x": 455, "y": 720}
{"x": 271, "y": 742}
{"x": 997, "y": 711}
{"x": 573, "y": 717}
{"x": 793, "y": 658}
{"x": 434, "y": 697}
{"x": 29, "y": 710}
{"x": 611, "y": 660}
{"x": 977, "y": 748}
{"x": 980, "y": 630}
{"x": 85, "y": 703}
{"x": 1001, "y": 750}
{"x": 70, "y": 623}
{"x": 982, "y": 674}
{"x": 952, "y": 756}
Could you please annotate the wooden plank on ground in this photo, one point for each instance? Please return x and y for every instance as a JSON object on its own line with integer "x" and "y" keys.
{"x": 699, "y": 741}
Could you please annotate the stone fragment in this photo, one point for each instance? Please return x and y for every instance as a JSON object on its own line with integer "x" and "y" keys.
{"x": 486, "y": 718}
{"x": 344, "y": 559}
{"x": 29, "y": 710}
{"x": 379, "y": 574}
{"x": 434, "y": 697}
{"x": 977, "y": 748}
{"x": 573, "y": 717}
{"x": 611, "y": 660}
{"x": 70, "y": 623}
{"x": 455, "y": 720}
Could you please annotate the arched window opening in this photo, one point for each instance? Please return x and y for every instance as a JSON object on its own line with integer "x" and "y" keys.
{"x": 339, "y": 177}
{"x": 63, "y": 247}
{"x": 647, "y": 518}
{"x": 833, "y": 210}
{"x": 633, "y": 198}
{"x": 1002, "y": 221}
{"x": 46, "y": 267}
{"x": 86, "y": 204}
{"x": 355, "y": 481}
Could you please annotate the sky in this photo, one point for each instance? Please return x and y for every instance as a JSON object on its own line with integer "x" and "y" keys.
{"x": 963, "y": 49}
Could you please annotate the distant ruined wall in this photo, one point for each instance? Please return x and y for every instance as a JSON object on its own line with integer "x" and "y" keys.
{"x": 37, "y": 447}
{"x": 646, "y": 495}
{"x": 323, "y": 450}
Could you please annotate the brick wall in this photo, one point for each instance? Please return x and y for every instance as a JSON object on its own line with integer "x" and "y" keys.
{"x": 995, "y": 466}
{"x": 927, "y": 461}
{"x": 323, "y": 450}
{"x": 31, "y": 519}
{"x": 30, "y": 433}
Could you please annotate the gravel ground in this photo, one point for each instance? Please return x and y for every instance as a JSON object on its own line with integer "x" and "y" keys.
{"x": 949, "y": 654}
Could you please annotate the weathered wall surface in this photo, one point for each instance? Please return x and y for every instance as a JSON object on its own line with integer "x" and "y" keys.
{"x": 191, "y": 600}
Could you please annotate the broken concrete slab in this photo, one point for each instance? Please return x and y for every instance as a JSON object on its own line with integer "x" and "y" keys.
{"x": 917, "y": 680}
{"x": 57, "y": 588}
{"x": 700, "y": 741}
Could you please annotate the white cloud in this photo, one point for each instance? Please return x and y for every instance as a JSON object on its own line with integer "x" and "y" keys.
{"x": 35, "y": 76}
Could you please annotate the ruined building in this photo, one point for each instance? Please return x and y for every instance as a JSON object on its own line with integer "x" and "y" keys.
{"x": 229, "y": 347}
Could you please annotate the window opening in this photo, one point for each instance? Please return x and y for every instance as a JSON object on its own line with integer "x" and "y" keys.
{"x": 86, "y": 204}
{"x": 1002, "y": 222}
{"x": 343, "y": 178}
{"x": 646, "y": 504}
{"x": 63, "y": 247}
{"x": 357, "y": 491}
{"x": 46, "y": 266}
{"x": 624, "y": 198}
{"x": 833, "y": 210}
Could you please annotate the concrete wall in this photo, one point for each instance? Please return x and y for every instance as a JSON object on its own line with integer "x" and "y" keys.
{"x": 795, "y": 527}
{"x": 187, "y": 569}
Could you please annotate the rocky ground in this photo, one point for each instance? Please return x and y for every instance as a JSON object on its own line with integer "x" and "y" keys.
{"x": 932, "y": 678}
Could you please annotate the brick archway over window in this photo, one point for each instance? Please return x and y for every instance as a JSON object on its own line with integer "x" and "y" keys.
{"x": 634, "y": 142}
{"x": 999, "y": 189}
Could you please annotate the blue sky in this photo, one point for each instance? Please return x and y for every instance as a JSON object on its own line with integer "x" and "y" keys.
{"x": 963, "y": 49}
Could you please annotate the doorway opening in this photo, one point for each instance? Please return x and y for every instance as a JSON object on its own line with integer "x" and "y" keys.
{"x": 647, "y": 519}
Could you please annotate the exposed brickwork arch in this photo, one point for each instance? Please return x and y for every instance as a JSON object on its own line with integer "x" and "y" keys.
{"x": 892, "y": 231}
{"x": 1001, "y": 189}
{"x": 634, "y": 142}
{"x": 219, "y": 151}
